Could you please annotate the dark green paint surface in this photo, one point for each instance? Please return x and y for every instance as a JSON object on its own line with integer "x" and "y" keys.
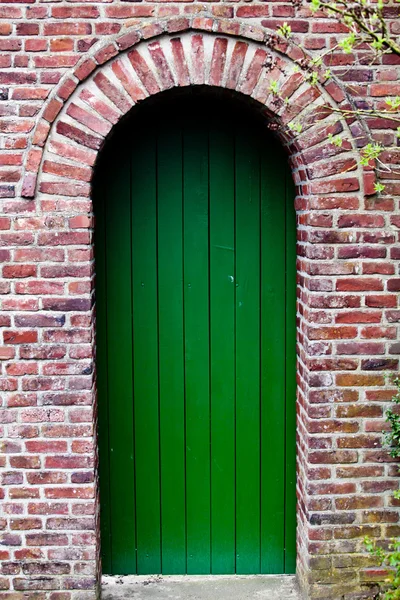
{"x": 195, "y": 264}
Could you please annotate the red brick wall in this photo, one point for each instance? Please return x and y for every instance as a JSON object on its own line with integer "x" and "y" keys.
{"x": 68, "y": 73}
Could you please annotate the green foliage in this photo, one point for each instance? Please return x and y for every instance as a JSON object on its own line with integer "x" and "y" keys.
{"x": 365, "y": 21}
{"x": 379, "y": 187}
{"x": 371, "y": 151}
{"x": 347, "y": 44}
{"x": 393, "y": 418}
{"x": 378, "y": 44}
{"x": 366, "y": 29}
{"x": 335, "y": 140}
{"x": 394, "y": 103}
{"x": 274, "y": 87}
{"x": 391, "y": 557}
{"x": 313, "y": 78}
{"x": 285, "y": 30}
{"x": 296, "y": 127}
{"x": 315, "y": 5}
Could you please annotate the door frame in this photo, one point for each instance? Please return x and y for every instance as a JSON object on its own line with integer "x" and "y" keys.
{"x": 245, "y": 111}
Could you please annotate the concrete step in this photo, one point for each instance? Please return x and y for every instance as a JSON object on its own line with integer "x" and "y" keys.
{"x": 199, "y": 587}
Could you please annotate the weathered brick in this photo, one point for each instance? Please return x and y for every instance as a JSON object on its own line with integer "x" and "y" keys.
{"x": 347, "y": 269}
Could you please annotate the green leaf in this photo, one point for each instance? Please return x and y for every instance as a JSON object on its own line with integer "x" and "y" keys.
{"x": 335, "y": 140}
{"x": 393, "y": 102}
{"x": 295, "y": 126}
{"x": 274, "y": 87}
{"x": 285, "y": 30}
{"x": 378, "y": 44}
{"x": 371, "y": 151}
{"x": 347, "y": 43}
{"x": 313, "y": 78}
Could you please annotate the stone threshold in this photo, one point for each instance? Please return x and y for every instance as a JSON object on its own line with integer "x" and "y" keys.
{"x": 199, "y": 587}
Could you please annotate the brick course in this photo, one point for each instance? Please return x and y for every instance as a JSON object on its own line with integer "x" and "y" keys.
{"x": 68, "y": 73}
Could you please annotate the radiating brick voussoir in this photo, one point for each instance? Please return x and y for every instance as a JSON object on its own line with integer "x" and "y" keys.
{"x": 112, "y": 92}
{"x": 161, "y": 64}
{"x": 68, "y": 171}
{"x": 96, "y": 124}
{"x": 236, "y": 64}
{"x": 181, "y": 68}
{"x": 108, "y": 112}
{"x": 319, "y": 133}
{"x": 112, "y": 76}
{"x": 121, "y": 71}
{"x": 253, "y": 72}
{"x": 79, "y": 136}
{"x": 197, "y": 59}
{"x": 143, "y": 71}
{"x": 218, "y": 61}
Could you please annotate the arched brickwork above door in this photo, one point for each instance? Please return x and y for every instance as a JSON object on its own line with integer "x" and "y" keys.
{"x": 182, "y": 52}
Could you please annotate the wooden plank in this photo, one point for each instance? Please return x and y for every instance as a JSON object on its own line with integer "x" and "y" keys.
{"x": 272, "y": 360}
{"x": 120, "y": 387}
{"x": 247, "y": 225}
{"x": 171, "y": 350}
{"x": 196, "y": 325}
{"x": 290, "y": 332}
{"x": 145, "y": 358}
{"x": 101, "y": 375}
{"x": 222, "y": 349}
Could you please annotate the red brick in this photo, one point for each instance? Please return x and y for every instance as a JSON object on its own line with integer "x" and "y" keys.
{"x": 72, "y": 28}
{"x": 84, "y": 69}
{"x": 144, "y": 72}
{"x": 161, "y": 64}
{"x": 180, "y": 62}
{"x": 79, "y": 155}
{"x": 79, "y": 136}
{"x": 89, "y": 120}
{"x": 105, "y": 53}
{"x": 130, "y": 86}
{"x": 197, "y": 54}
{"x": 361, "y": 221}
{"x": 20, "y": 337}
{"x": 358, "y": 316}
{"x": 112, "y": 92}
{"x": 357, "y": 284}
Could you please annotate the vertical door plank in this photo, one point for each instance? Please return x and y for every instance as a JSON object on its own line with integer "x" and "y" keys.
{"x": 196, "y": 324}
{"x": 290, "y": 437}
{"x": 119, "y": 340}
{"x": 272, "y": 361}
{"x": 247, "y": 222}
{"x": 171, "y": 350}
{"x": 101, "y": 376}
{"x": 222, "y": 349}
{"x": 145, "y": 363}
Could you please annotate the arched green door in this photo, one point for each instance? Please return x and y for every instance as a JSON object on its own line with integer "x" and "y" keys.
{"x": 195, "y": 288}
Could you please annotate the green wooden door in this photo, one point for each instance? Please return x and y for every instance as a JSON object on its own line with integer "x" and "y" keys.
{"x": 195, "y": 264}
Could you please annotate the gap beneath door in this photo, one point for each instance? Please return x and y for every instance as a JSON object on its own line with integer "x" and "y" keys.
{"x": 200, "y": 587}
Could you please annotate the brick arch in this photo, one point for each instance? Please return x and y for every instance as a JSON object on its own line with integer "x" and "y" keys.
{"x": 103, "y": 87}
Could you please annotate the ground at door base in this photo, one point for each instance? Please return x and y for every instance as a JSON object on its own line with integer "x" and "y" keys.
{"x": 200, "y": 587}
